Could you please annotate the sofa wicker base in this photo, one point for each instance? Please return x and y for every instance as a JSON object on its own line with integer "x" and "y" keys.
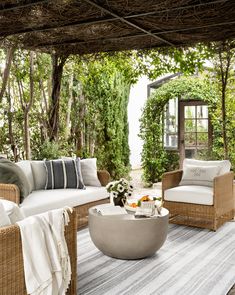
{"x": 82, "y": 212}
{"x": 197, "y": 215}
{"x": 11, "y": 259}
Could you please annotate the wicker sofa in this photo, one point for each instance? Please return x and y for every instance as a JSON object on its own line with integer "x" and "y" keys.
{"x": 41, "y": 200}
{"x": 11, "y": 259}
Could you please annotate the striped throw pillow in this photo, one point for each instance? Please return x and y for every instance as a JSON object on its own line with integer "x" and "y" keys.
{"x": 64, "y": 174}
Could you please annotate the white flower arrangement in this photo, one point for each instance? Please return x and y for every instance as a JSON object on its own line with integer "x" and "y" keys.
{"x": 119, "y": 189}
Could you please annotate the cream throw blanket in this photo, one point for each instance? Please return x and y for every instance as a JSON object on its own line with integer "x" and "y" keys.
{"x": 47, "y": 266}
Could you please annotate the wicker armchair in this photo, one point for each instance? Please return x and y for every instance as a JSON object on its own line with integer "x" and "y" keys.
{"x": 205, "y": 216}
{"x": 11, "y": 259}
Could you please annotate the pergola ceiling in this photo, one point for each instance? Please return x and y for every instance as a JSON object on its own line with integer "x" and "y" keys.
{"x": 87, "y": 26}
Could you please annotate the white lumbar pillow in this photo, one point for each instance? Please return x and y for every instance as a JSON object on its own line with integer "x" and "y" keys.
{"x": 199, "y": 175}
{"x": 13, "y": 211}
{"x": 89, "y": 172}
{"x": 225, "y": 165}
{"x": 4, "y": 219}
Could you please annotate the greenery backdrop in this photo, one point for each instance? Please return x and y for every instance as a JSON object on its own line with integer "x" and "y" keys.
{"x": 52, "y": 106}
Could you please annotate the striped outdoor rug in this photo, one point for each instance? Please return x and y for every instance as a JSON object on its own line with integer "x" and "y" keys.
{"x": 192, "y": 261}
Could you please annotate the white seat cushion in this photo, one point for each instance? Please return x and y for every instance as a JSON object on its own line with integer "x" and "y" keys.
{"x": 44, "y": 200}
{"x": 194, "y": 194}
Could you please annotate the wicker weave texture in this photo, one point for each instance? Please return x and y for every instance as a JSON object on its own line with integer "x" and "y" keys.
{"x": 82, "y": 212}
{"x": 10, "y": 192}
{"x": 211, "y": 217}
{"x": 11, "y": 259}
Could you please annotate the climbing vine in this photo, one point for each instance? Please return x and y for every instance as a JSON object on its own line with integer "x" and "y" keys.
{"x": 155, "y": 159}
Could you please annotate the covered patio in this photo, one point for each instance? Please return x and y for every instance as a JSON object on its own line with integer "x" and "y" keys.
{"x": 81, "y": 27}
{"x": 68, "y": 27}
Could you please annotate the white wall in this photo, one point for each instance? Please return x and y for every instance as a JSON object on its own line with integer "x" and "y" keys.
{"x": 138, "y": 96}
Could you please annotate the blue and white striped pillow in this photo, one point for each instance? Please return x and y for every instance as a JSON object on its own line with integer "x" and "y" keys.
{"x": 64, "y": 174}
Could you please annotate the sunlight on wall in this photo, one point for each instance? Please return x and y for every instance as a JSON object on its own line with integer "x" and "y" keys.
{"x": 138, "y": 96}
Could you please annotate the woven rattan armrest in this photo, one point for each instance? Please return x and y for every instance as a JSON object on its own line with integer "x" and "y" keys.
{"x": 104, "y": 177}
{"x": 171, "y": 179}
{"x": 223, "y": 190}
{"x": 11, "y": 259}
{"x": 10, "y": 192}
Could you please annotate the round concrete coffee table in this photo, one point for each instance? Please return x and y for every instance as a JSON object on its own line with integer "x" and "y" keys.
{"x": 127, "y": 237}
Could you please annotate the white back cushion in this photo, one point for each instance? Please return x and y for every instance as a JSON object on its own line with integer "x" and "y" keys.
{"x": 25, "y": 166}
{"x": 89, "y": 172}
{"x": 39, "y": 174}
{"x": 199, "y": 175}
{"x": 224, "y": 165}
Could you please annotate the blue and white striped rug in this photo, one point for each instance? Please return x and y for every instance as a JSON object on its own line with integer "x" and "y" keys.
{"x": 191, "y": 262}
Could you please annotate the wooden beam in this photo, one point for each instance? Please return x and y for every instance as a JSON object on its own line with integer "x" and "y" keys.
{"x": 4, "y": 8}
{"x": 129, "y": 22}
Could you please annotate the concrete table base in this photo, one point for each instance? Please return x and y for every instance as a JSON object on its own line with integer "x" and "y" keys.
{"x": 127, "y": 237}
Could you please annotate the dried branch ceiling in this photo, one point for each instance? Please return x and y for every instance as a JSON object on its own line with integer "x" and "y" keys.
{"x": 87, "y": 26}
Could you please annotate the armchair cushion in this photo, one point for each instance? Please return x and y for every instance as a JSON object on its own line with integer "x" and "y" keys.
{"x": 194, "y": 194}
{"x": 225, "y": 165}
{"x": 199, "y": 175}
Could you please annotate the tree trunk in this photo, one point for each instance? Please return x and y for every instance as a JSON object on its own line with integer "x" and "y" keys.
{"x": 69, "y": 105}
{"x": 57, "y": 71}
{"x": 27, "y": 106}
{"x": 43, "y": 119}
{"x": 225, "y": 63}
{"x": 27, "y": 136}
{"x": 6, "y": 73}
{"x": 80, "y": 126}
{"x": 10, "y": 125}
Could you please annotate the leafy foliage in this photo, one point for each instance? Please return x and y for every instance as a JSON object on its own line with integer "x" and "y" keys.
{"x": 155, "y": 159}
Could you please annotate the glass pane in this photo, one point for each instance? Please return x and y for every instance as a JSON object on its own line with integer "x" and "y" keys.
{"x": 190, "y": 125}
{"x": 171, "y": 140}
{"x": 202, "y": 125}
{"x": 190, "y": 153}
{"x": 171, "y": 124}
{"x": 189, "y": 112}
{"x": 202, "y": 139}
{"x": 202, "y": 112}
{"x": 190, "y": 139}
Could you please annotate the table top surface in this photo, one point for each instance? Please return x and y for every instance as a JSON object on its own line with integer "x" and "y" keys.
{"x": 128, "y": 216}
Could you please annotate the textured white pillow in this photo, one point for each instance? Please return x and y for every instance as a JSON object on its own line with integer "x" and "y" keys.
{"x": 199, "y": 175}
{"x": 4, "y": 219}
{"x": 225, "y": 165}
{"x": 89, "y": 172}
{"x": 26, "y": 167}
{"x": 39, "y": 174}
{"x": 13, "y": 211}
